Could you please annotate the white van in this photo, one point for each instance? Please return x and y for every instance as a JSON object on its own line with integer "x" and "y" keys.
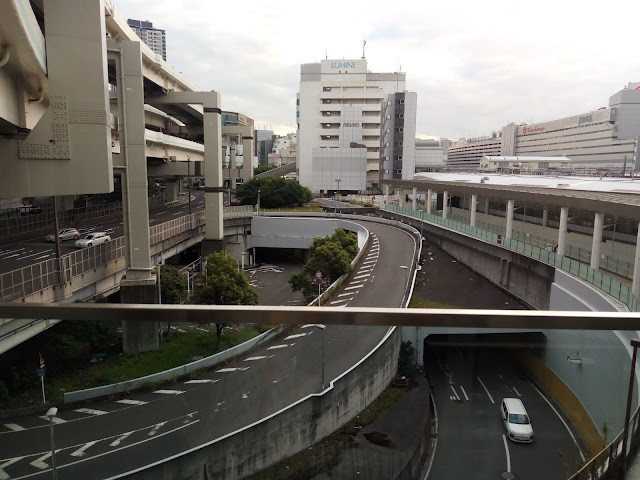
{"x": 516, "y": 420}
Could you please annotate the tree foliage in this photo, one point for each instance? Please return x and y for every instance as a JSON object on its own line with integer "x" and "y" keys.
{"x": 275, "y": 192}
{"x": 224, "y": 284}
{"x": 262, "y": 169}
{"x": 173, "y": 285}
{"x": 330, "y": 255}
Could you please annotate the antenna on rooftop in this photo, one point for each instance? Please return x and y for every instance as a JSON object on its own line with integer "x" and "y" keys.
{"x": 364, "y": 43}
{"x": 325, "y": 54}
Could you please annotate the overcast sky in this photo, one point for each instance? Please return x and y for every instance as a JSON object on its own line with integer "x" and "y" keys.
{"x": 476, "y": 65}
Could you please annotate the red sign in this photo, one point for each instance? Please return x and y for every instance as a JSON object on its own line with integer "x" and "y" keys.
{"x": 526, "y": 130}
{"x": 318, "y": 274}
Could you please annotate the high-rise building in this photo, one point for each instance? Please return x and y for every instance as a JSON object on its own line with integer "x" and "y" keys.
{"x": 329, "y": 91}
{"x": 398, "y": 135}
{"x": 153, "y": 37}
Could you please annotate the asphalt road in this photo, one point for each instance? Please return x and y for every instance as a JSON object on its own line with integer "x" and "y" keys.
{"x": 21, "y": 254}
{"x": 106, "y": 438}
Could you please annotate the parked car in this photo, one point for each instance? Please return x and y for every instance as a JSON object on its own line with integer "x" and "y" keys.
{"x": 29, "y": 209}
{"x": 516, "y": 420}
{"x": 64, "y": 234}
{"x": 91, "y": 239}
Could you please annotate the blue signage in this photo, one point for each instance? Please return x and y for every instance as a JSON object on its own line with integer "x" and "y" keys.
{"x": 343, "y": 64}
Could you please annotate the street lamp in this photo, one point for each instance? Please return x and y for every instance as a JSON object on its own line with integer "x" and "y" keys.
{"x": 321, "y": 327}
{"x": 635, "y": 343}
{"x": 421, "y": 224}
{"x": 52, "y": 412}
{"x": 258, "y": 206}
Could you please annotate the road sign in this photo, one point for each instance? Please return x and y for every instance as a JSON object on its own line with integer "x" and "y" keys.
{"x": 40, "y": 371}
{"x": 318, "y": 280}
{"x": 318, "y": 274}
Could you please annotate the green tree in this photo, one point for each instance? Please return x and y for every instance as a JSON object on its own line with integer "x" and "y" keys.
{"x": 330, "y": 255}
{"x": 173, "y": 288}
{"x": 262, "y": 169}
{"x": 224, "y": 284}
{"x": 275, "y": 192}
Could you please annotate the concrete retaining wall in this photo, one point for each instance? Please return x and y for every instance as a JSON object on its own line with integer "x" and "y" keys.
{"x": 180, "y": 371}
{"x": 289, "y": 431}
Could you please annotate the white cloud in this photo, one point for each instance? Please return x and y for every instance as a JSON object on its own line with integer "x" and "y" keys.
{"x": 475, "y": 65}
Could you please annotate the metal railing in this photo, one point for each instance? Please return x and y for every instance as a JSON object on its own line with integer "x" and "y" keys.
{"x": 35, "y": 278}
{"x": 596, "y": 278}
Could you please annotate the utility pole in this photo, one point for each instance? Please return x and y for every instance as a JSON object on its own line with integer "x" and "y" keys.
{"x": 189, "y": 181}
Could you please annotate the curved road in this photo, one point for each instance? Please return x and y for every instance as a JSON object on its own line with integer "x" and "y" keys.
{"x": 118, "y": 436}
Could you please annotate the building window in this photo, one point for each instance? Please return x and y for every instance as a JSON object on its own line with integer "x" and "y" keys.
{"x": 326, "y": 100}
{"x": 297, "y": 114}
{"x": 326, "y": 89}
{"x": 401, "y": 101}
{"x": 297, "y": 101}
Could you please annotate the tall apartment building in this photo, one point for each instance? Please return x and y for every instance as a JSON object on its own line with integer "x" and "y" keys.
{"x": 398, "y": 136}
{"x": 153, "y": 37}
{"x": 329, "y": 91}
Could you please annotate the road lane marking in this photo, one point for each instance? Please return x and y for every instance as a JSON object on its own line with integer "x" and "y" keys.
{"x": 53, "y": 419}
{"x": 486, "y": 390}
{"x": 90, "y": 411}
{"x": 118, "y": 440}
{"x": 34, "y": 254}
{"x": 251, "y": 359}
{"x": 506, "y": 449}
{"x": 131, "y": 402}
{"x": 273, "y": 347}
{"x": 11, "y": 256}
{"x": 39, "y": 462}
{"x": 155, "y": 429}
{"x": 13, "y": 426}
{"x": 203, "y": 380}
{"x": 80, "y": 452}
{"x": 44, "y": 256}
{"x": 297, "y": 335}
{"x": 517, "y": 392}
{"x": 340, "y": 301}
{"x": 169, "y": 392}
{"x": 368, "y": 261}
{"x": 454, "y": 392}
{"x": 232, "y": 369}
{"x": 4, "y": 475}
{"x": 160, "y": 213}
{"x": 355, "y": 286}
{"x": 563, "y": 422}
{"x": 464, "y": 392}
{"x": 345, "y": 294}
{"x": 362, "y": 276}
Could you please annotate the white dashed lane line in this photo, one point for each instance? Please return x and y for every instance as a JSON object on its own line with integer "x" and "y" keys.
{"x": 273, "y": 347}
{"x": 90, "y": 411}
{"x": 53, "y": 419}
{"x": 297, "y": 335}
{"x": 127, "y": 401}
{"x": 351, "y": 288}
{"x": 345, "y": 294}
{"x": 203, "y": 380}
{"x": 232, "y": 369}
{"x": 253, "y": 359}
{"x": 169, "y": 392}
{"x": 362, "y": 276}
{"x": 340, "y": 301}
{"x": 14, "y": 426}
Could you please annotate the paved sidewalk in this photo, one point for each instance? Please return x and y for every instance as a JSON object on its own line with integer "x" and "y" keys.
{"x": 405, "y": 424}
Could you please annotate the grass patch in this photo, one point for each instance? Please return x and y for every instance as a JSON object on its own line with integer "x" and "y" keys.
{"x": 324, "y": 455}
{"x": 419, "y": 302}
{"x": 177, "y": 350}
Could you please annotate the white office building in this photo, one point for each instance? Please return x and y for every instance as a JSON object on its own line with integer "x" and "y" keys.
{"x": 155, "y": 38}
{"x": 329, "y": 92}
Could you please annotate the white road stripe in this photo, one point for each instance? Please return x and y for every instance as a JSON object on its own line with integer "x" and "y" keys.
{"x": 169, "y": 392}
{"x": 340, "y": 301}
{"x": 44, "y": 256}
{"x": 155, "y": 429}
{"x": 131, "y": 402}
{"x": 53, "y": 419}
{"x": 39, "y": 462}
{"x": 454, "y": 392}
{"x": 362, "y": 276}
{"x": 11, "y": 256}
{"x": 563, "y": 422}
{"x": 345, "y": 294}
{"x": 517, "y": 392}
{"x": 351, "y": 288}
{"x": 296, "y": 335}
{"x": 203, "y": 380}
{"x": 4, "y": 475}
{"x": 464, "y": 392}
{"x": 368, "y": 261}
{"x": 160, "y": 213}
{"x": 117, "y": 441}
{"x": 80, "y": 452}
{"x": 34, "y": 254}
{"x": 506, "y": 449}
{"x": 251, "y": 359}
{"x": 233, "y": 369}
{"x": 13, "y": 426}
{"x": 485, "y": 389}
{"x": 273, "y": 347}
{"x": 90, "y": 411}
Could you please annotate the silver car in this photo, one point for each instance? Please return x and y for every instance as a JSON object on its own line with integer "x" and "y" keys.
{"x": 91, "y": 239}
{"x": 65, "y": 234}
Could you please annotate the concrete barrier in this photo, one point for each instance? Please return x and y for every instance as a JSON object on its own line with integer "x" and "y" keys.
{"x": 106, "y": 390}
{"x": 288, "y": 431}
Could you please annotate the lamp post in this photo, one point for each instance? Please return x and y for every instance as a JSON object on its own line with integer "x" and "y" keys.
{"x": 635, "y": 343}
{"x": 258, "y": 206}
{"x": 52, "y": 412}
{"x": 421, "y": 224}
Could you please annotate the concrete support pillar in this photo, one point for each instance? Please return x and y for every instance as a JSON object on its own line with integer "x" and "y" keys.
{"x": 140, "y": 336}
{"x": 474, "y": 201}
{"x": 402, "y": 198}
{"x": 635, "y": 284}
{"x": 213, "y": 166}
{"x": 562, "y": 231}
{"x": 414, "y": 201}
{"x": 545, "y": 216}
{"x": 596, "y": 243}
{"x": 386, "y": 194}
{"x": 509, "y": 229}
{"x": 233, "y": 172}
{"x": 445, "y": 204}
{"x": 171, "y": 192}
{"x": 427, "y": 200}
{"x": 486, "y": 206}
{"x": 247, "y": 158}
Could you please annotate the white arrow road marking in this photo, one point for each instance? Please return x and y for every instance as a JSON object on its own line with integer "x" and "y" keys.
{"x": 464, "y": 392}
{"x": 80, "y": 452}
{"x": 169, "y": 392}
{"x": 251, "y": 359}
{"x": 13, "y": 426}
{"x": 155, "y": 429}
{"x": 485, "y": 389}
{"x": 3, "y": 474}
{"x": 296, "y": 335}
{"x": 131, "y": 402}
{"x": 455, "y": 394}
{"x": 245, "y": 395}
{"x": 277, "y": 346}
{"x": 90, "y": 411}
{"x": 118, "y": 440}
{"x": 53, "y": 419}
{"x": 203, "y": 380}
{"x": 39, "y": 463}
